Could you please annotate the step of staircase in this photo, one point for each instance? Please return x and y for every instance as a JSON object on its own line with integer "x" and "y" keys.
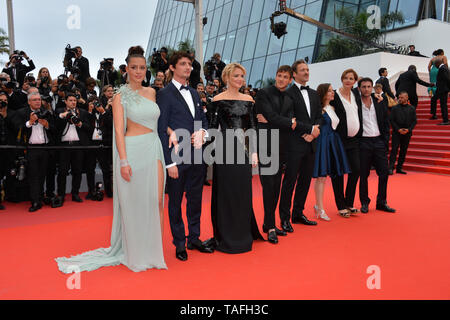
{"x": 428, "y": 153}
{"x": 426, "y": 168}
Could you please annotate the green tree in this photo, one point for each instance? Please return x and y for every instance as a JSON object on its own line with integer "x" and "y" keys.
{"x": 339, "y": 47}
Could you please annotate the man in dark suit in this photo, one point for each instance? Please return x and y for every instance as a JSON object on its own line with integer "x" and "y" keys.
{"x": 275, "y": 112}
{"x": 301, "y": 148}
{"x": 194, "y": 79}
{"x": 83, "y": 64}
{"x": 408, "y": 82}
{"x": 374, "y": 144}
{"x": 16, "y": 70}
{"x": 442, "y": 88}
{"x": 384, "y": 81}
{"x": 403, "y": 119}
{"x": 37, "y": 129}
{"x": 180, "y": 108}
{"x": 73, "y": 129}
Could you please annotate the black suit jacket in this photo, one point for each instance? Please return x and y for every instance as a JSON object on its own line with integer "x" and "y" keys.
{"x": 83, "y": 64}
{"x": 443, "y": 80}
{"x": 20, "y": 119}
{"x": 342, "y": 128}
{"x": 84, "y": 133}
{"x": 408, "y": 82}
{"x": 386, "y": 86}
{"x": 305, "y": 122}
{"x": 105, "y": 123}
{"x": 175, "y": 113}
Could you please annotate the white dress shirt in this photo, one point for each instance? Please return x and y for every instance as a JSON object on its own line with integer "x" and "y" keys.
{"x": 187, "y": 97}
{"x": 97, "y": 135}
{"x": 71, "y": 132}
{"x": 370, "y": 123}
{"x": 351, "y": 109}
{"x": 38, "y": 135}
{"x": 305, "y": 95}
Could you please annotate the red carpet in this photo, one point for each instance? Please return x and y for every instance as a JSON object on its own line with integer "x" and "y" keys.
{"x": 328, "y": 261}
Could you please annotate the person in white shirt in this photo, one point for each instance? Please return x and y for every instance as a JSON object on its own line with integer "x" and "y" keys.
{"x": 374, "y": 144}
{"x": 73, "y": 130}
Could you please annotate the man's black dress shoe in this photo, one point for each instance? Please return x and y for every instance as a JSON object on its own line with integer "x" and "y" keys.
{"x": 200, "y": 246}
{"x": 391, "y": 172}
{"x": 433, "y": 117}
{"x": 400, "y": 171}
{"x": 278, "y": 231}
{"x": 211, "y": 243}
{"x": 35, "y": 207}
{"x": 286, "y": 226}
{"x": 57, "y": 202}
{"x": 206, "y": 183}
{"x": 303, "y": 220}
{"x": 444, "y": 123}
{"x": 385, "y": 207}
{"x": 2, "y": 207}
{"x": 181, "y": 254}
{"x": 89, "y": 196}
{"x": 272, "y": 237}
{"x": 364, "y": 208}
{"x": 76, "y": 198}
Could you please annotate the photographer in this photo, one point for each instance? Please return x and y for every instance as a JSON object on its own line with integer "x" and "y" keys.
{"x": 81, "y": 64}
{"x": 16, "y": 69}
{"x": 107, "y": 96}
{"x": 214, "y": 67}
{"x": 37, "y": 128}
{"x": 122, "y": 75}
{"x": 7, "y": 134}
{"x": 73, "y": 129}
{"x": 102, "y": 121}
{"x": 194, "y": 79}
{"x": 81, "y": 103}
{"x": 157, "y": 84}
{"x": 159, "y": 60}
{"x": 107, "y": 74}
{"x": 44, "y": 82}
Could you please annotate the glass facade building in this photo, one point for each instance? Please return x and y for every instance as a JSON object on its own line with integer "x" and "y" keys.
{"x": 240, "y": 29}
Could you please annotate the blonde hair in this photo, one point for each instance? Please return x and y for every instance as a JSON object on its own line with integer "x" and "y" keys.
{"x": 229, "y": 69}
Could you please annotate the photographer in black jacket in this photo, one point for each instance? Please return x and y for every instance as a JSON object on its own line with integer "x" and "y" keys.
{"x": 102, "y": 121}
{"x": 81, "y": 64}
{"x": 16, "y": 69}
{"x": 37, "y": 128}
{"x": 159, "y": 60}
{"x": 214, "y": 67}
{"x": 107, "y": 75}
{"x": 6, "y": 138}
{"x": 73, "y": 129}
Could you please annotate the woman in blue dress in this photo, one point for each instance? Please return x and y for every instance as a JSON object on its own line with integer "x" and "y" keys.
{"x": 139, "y": 177}
{"x": 331, "y": 159}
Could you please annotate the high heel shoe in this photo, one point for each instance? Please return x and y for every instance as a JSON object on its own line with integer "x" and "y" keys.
{"x": 320, "y": 213}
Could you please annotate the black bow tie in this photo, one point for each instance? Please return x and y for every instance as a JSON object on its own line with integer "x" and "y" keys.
{"x": 304, "y": 88}
{"x": 184, "y": 87}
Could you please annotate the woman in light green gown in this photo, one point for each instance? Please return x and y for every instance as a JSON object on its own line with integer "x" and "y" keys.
{"x": 139, "y": 179}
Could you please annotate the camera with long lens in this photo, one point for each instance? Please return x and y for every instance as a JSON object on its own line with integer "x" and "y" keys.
{"x": 73, "y": 118}
{"x": 98, "y": 194}
{"x": 70, "y": 53}
{"x": 20, "y": 169}
{"x": 44, "y": 89}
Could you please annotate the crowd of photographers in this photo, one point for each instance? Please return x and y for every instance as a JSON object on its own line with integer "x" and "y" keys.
{"x": 50, "y": 128}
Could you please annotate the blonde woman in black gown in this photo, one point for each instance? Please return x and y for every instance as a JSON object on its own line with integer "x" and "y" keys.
{"x": 233, "y": 219}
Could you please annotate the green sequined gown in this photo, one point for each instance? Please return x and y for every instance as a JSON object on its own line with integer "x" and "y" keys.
{"x": 136, "y": 239}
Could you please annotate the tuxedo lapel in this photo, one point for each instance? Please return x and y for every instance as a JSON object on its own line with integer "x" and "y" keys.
{"x": 180, "y": 98}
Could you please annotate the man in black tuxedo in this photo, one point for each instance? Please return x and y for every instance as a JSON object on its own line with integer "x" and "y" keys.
{"x": 301, "y": 148}
{"x": 384, "y": 81}
{"x": 83, "y": 64}
{"x": 180, "y": 108}
{"x": 275, "y": 112}
{"x": 16, "y": 70}
{"x": 37, "y": 129}
{"x": 374, "y": 144}
{"x": 408, "y": 82}
{"x": 73, "y": 129}
{"x": 442, "y": 88}
{"x": 194, "y": 79}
